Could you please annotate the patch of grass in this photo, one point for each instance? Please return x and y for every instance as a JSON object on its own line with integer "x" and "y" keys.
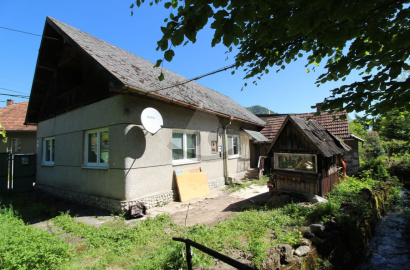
{"x": 25, "y": 247}
{"x": 145, "y": 246}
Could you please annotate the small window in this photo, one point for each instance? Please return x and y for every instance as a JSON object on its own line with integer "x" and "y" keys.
{"x": 295, "y": 162}
{"x": 97, "y": 144}
{"x": 233, "y": 146}
{"x": 48, "y": 150}
{"x": 15, "y": 145}
{"x": 184, "y": 147}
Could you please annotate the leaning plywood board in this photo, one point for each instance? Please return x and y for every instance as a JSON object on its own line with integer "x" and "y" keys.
{"x": 192, "y": 185}
{"x": 186, "y": 171}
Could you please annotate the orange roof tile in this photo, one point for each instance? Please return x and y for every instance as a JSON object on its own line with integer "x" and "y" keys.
{"x": 339, "y": 128}
{"x": 12, "y": 117}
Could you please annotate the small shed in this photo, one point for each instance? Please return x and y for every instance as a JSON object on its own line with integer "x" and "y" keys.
{"x": 306, "y": 157}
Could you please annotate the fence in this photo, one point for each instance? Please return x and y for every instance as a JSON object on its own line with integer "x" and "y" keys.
{"x": 17, "y": 172}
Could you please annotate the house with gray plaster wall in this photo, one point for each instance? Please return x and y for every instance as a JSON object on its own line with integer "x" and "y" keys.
{"x": 86, "y": 101}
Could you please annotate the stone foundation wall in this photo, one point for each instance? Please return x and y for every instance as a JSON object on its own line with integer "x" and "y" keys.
{"x": 116, "y": 206}
{"x": 111, "y": 205}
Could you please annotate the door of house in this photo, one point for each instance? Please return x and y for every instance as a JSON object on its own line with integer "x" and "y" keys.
{"x": 17, "y": 172}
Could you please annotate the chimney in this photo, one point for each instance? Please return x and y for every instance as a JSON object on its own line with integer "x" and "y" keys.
{"x": 318, "y": 108}
{"x": 10, "y": 102}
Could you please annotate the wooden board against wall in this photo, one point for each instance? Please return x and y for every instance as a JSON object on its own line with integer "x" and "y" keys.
{"x": 192, "y": 185}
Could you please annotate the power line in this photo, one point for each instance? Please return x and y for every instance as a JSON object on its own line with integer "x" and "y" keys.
{"x": 196, "y": 78}
{"x": 19, "y": 96}
{"x": 12, "y": 90}
{"x": 28, "y": 33}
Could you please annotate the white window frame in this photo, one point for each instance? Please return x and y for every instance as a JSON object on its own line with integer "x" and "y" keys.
{"x": 231, "y": 139}
{"x": 276, "y": 162}
{"x": 185, "y": 159}
{"x": 52, "y": 146}
{"x": 97, "y": 164}
{"x": 13, "y": 144}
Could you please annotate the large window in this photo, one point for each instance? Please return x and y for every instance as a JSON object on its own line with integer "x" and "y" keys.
{"x": 233, "y": 146}
{"x": 48, "y": 150}
{"x": 184, "y": 147}
{"x": 97, "y": 147}
{"x": 295, "y": 162}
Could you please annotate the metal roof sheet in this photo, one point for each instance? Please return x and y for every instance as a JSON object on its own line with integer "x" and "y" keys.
{"x": 256, "y": 135}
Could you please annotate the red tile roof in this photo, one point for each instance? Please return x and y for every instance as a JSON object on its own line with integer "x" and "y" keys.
{"x": 12, "y": 117}
{"x": 339, "y": 128}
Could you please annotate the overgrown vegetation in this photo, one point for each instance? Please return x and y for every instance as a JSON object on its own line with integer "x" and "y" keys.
{"x": 148, "y": 244}
{"x": 386, "y": 148}
{"x": 25, "y": 247}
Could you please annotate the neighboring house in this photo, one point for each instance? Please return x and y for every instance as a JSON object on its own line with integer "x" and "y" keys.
{"x": 86, "y": 100}
{"x": 307, "y": 157}
{"x": 331, "y": 122}
{"x": 21, "y": 138}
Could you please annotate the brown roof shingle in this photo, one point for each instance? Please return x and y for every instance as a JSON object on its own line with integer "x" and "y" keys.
{"x": 331, "y": 122}
{"x": 12, "y": 117}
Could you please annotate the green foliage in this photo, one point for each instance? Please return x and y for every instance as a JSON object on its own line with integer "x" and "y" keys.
{"x": 3, "y": 134}
{"x": 256, "y": 109}
{"x": 375, "y": 168}
{"x": 343, "y": 192}
{"x": 357, "y": 128}
{"x": 373, "y": 146}
{"x": 367, "y": 36}
{"x": 26, "y": 247}
{"x": 400, "y": 166}
{"x": 393, "y": 125}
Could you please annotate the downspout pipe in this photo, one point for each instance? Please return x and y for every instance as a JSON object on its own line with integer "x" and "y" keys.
{"x": 225, "y": 156}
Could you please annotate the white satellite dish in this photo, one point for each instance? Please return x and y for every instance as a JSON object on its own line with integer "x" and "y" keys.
{"x": 151, "y": 120}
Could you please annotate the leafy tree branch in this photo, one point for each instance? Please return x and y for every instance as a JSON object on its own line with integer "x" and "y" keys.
{"x": 372, "y": 37}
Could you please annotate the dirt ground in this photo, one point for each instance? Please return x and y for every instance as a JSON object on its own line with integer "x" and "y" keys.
{"x": 217, "y": 206}
{"x": 208, "y": 210}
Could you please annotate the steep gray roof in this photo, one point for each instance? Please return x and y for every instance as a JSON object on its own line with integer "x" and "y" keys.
{"x": 327, "y": 144}
{"x": 139, "y": 73}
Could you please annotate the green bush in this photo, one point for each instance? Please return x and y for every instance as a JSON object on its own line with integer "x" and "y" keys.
{"x": 25, "y": 247}
{"x": 400, "y": 167}
{"x": 375, "y": 168}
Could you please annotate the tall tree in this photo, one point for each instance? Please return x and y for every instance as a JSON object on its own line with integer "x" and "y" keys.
{"x": 393, "y": 125}
{"x": 370, "y": 36}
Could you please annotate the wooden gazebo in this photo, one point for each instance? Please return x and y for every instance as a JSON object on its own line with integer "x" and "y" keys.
{"x": 306, "y": 158}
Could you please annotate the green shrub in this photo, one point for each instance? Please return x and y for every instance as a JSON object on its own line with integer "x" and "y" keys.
{"x": 400, "y": 167}
{"x": 375, "y": 168}
{"x": 26, "y": 247}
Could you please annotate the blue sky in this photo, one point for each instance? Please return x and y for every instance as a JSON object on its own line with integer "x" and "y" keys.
{"x": 290, "y": 91}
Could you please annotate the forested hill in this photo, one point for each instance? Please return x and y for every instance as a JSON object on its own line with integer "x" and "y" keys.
{"x": 260, "y": 110}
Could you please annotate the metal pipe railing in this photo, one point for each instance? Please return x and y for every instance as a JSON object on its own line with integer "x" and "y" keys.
{"x": 211, "y": 252}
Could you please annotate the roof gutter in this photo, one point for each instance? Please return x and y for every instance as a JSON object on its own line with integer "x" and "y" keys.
{"x": 184, "y": 104}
